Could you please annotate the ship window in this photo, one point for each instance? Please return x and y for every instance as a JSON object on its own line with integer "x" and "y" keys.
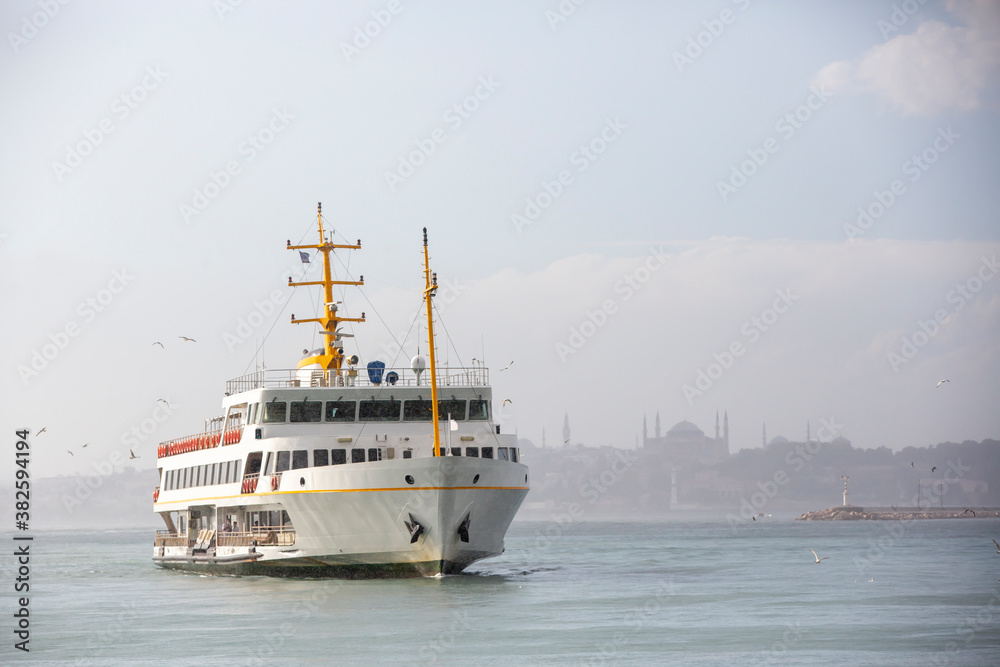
{"x": 374, "y": 454}
{"x": 417, "y": 411}
{"x": 407, "y": 454}
{"x": 357, "y": 456}
{"x": 479, "y": 410}
{"x": 184, "y": 479}
{"x": 321, "y": 457}
{"x": 307, "y": 411}
{"x": 283, "y": 458}
{"x": 269, "y": 464}
{"x": 453, "y": 408}
{"x": 236, "y": 470}
{"x": 472, "y": 451}
{"x": 199, "y": 476}
{"x": 340, "y": 411}
{"x": 169, "y": 479}
{"x": 253, "y": 463}
{"x": 300, "y": 459}
{"x": 274, "y": 412}
{"x": 513, "y": 454}
{"x": 487, "y": 452}
{"x": 456, "y": 451}
{"x": 338, "y": 456}
{"x": 212, "y": 469}
{"x": 379, "y": 411}
{"x": 502, "y": 454}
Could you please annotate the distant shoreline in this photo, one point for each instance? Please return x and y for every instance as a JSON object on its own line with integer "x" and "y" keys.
{"x": 855, "y": 513}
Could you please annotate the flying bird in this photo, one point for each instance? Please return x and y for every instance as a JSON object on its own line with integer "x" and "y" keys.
{"x": 933, "y": 468}
{"x": 70, "y": 453}
{"x": 131, "y": 455}
{"x": 911, "y": 464}
{"x": 85, "y": 444}
{"x": 163, "y": 400}
{"x": 188, "y": 339}
{"x": 506, "y": 367}
{"x": 941, "y": 383}
{"x": 506, "y": 401}
{"x": 818, "y": 559}
{"x": 42, "y": 431}
{"x": 997, "y": 546}
{"x": 973, "y": 516}
{"x": 158, "y": 343}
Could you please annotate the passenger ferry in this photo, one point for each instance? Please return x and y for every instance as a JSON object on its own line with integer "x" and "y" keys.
{"x": 334, "y": 469}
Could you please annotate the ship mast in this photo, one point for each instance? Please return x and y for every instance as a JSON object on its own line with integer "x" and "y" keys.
{"x": 332, "y": 357}
{"x": 430, "y": 282}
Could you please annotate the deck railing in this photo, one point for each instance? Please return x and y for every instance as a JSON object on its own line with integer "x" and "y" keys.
{"x": 259, "y": 536}
{"x": 475, "y": 376}
{"x": 165, "y": 538}
{"x": 199, "y": 441}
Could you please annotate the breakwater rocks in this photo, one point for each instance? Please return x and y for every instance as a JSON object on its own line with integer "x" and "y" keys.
{"x": 855, "y": 513}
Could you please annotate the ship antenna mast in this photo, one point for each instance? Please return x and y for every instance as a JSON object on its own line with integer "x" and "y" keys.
{"x": 332, "y": 357}
{"x": 430, "y": 282}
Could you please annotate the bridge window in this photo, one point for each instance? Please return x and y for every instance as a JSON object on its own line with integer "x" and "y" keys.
{"x": 513, "y": 454}
{"x": 456, "y": 451}
{"x": 307, "y": 411}
{"x": 300, "y": 459}
{"x": 479, "y": 410}
{"x": 452, "y": 408}
{"x": 380, "y": 411}
{"x": 340, "y": 411}
{"x": 472, "y": 451}
{"x": 374, "y": 454}
{"x": 321, "y": 457}
{"x": 487, "y": 452}
{"x": 274, "y": 412}
{"x": 357, "y": 456}
{"x": 283, "y": 461}
{"x": 502, "y": 454}
{"x": 338, "y": 456}
{"x": 417, "y": 411}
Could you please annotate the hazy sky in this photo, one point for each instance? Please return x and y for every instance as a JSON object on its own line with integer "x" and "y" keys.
{"x": 784, "y": 210}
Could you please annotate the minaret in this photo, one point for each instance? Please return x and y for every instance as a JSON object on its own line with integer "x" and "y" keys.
{"x": 725, "y": 428}
{"x": 808, "y": 436}
{"x": 566, "y": 428}
{"x": 716, "y": 425}
{"x": 764, "y": 437}
{"x": 543, "y": 436}
{"x": 644, "y": 437}
{"x": 657, "y": 424}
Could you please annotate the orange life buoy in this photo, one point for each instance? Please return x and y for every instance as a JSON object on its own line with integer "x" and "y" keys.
{"x": 156, "y": 495}
{"x": 275, "y": 481}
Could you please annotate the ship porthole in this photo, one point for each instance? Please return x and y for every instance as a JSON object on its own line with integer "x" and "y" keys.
{"x": 302, "y": 481}
{"x": 475, "y": 480}
{"x": 409, "y": 479}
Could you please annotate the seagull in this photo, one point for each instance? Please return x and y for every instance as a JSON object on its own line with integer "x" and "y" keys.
{"x": 42, "y": 431}
{"x": 753, "y": 518}
{"x": 188, "y": 339}
{"x": 974, "y": 516}
{"x": 158, "y": 343}
{"x": 872, "y": 580}
{"x": 941, "y": 383}
{"x": 933, "y": 468}
{"x": 163, "y": 400}
{"x": 506, "y": 401}
{"x": 85, "y": 444}
{"x": 818, "y": 559}
{"x": 997, "y": 546}
{"x": 911, "y": 464}
{"x": 565, "y": 441}
{"x": 506, "y": 367}
{"x": 70, "y": 453}
{"x": 131, "y": 455}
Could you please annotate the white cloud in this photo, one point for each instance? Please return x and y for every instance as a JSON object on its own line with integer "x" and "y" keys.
{"x": 936, "y": 68}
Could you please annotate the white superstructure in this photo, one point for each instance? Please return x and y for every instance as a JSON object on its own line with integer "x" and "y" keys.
{"x": 334, "y": 470}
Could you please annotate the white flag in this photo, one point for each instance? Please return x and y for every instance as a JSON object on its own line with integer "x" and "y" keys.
{"x": 454, "y": 425}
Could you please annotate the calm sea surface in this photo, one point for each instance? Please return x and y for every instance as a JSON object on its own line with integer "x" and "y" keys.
{"x": 691, "y": 593}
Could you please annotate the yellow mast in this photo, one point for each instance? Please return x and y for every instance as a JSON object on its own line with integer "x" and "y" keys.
{"x": 333, "y": 353}
{"x": 430, "y": 282}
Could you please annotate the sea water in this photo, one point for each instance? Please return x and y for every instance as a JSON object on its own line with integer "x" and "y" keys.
{"x": 563, "y": 593}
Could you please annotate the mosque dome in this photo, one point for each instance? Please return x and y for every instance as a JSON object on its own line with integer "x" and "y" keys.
{"x": 686, "y": 429}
